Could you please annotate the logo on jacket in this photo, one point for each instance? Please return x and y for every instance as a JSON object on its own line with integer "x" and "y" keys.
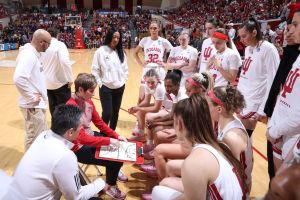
{"x": 246, "y": 65}
{"x": 290, "y": 82}
{"x": 207, "y": 53}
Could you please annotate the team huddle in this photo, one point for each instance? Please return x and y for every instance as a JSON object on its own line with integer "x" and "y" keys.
{"x": 195, "y": 114}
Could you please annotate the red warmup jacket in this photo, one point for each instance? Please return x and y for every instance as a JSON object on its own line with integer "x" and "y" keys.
{"x": 85, "y": 136}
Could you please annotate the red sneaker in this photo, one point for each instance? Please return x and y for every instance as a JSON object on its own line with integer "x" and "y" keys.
{"x": 148, "y": 147}
{"x": 149, "y": 155}
{"x": 138, "y": 138}
{"x": 115, "y": 193}
{"x": 146, "y": 196}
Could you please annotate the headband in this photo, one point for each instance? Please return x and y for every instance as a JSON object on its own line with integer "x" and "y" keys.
{"x": 214, "y": 98}
{"x": 220, "y": 36}
{"x": 194, "y": 83}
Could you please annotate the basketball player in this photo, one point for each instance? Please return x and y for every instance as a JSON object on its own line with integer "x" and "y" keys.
{"x": 207, "y": 49}
{"x": 290, "y": 54}
{"x": 169, "y": 147}
{"x": 183, "y": 57}
{"x": 154, "y": 87}
{"x": 223, "y": 66}
{"x": 154, "y": 49}
{"x": 287, "y": 129}
{"x": 258, "y": 71}
{"x": 220, "y": 173}
{"x": 223, "y": 103}
{"x": 286, "y": 183}
{"x": 164, "y": 118}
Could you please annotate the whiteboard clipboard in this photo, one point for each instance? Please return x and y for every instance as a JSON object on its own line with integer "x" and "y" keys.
{"x": 127, "y": 152}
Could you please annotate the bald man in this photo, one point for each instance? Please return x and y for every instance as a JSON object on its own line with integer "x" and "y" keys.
{"x": 30, "y": 82}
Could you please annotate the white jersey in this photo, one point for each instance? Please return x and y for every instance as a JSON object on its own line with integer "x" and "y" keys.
{"x": 230, "y": 60}
{"x": 285, "y": 121}
{"x": 258, "y": 71}
{"x": 246, "y": 158}
{"x": 158, "y": 93}
{"x": 154, "y": 52}
{"x": 207, "y": 50}
{"x": 296, "y": 150}
{"x": 227, "y": 185}
{"x": 180, "y": 95}
{"x": 180, "y": 56}
{"x": 167, "y": 103}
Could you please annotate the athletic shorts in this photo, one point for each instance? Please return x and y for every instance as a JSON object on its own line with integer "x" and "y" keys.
{"x": 160, "y": 192}
{"x": 285, "y": 147}
{"x": 246, "y": 114}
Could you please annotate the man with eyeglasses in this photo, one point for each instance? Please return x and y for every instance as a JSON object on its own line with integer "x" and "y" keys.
{"x": 49, "y": 169}
{"x": 30, "y": 82}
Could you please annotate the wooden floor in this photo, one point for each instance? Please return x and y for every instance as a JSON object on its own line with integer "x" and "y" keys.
{"x": 12, "y": 125}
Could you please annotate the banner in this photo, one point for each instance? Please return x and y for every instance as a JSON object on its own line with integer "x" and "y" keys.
{"x": 9, "y": 46}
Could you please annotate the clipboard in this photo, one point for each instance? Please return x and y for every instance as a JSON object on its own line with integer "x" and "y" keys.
{"x": 139, "y": 153}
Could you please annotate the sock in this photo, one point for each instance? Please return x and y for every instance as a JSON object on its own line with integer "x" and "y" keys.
{"x": 149, "y": 142}
{"x": 141, "y": 132}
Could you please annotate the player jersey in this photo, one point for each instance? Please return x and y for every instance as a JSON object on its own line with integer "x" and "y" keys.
{"x": 246, "y": 157}
{"x": 227, "y": 185}
{"x": 257, "y": 74}
{"x": 154, "y": 50}
{"x": 180, "y": 95}
{"x": 167, "y": 103}
{"x": 207, "y": 50}
{"x": 158, "y": 93}
{"x": 180, "y": 55}
{"x": 296, "y": 150}
{"x": 285, "y": 120}
{"x": 230, "y": 60}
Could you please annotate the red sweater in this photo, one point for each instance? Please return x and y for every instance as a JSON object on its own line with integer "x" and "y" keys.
{"x": 86, "y": 136}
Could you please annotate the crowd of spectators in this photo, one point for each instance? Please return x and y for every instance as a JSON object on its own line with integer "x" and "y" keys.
{"x": 96, "y": 23}
{"x": 3, "y": 11}
{"x": 191, "y": 14}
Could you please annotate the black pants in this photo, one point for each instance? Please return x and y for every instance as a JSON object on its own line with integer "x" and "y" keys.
{"x": 86, "y": 155}
{"x": 111, "y": 100}
{"x": 271, "y": 169}
{"x": 58, "y": 96}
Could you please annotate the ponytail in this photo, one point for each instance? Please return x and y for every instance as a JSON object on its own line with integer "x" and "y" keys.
{"x": 251, "y": 25}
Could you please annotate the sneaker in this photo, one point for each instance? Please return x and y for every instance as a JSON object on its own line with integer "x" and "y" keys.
{"x": 146, "y": 196}
{"x": 115, "y": 193}
{"x": 122, "y": 177}
{"x": 148, "y": 147}
{"x": 148, "y": 168}
{"x": 149, "y": 155}
{"x": 138, "y": 138}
